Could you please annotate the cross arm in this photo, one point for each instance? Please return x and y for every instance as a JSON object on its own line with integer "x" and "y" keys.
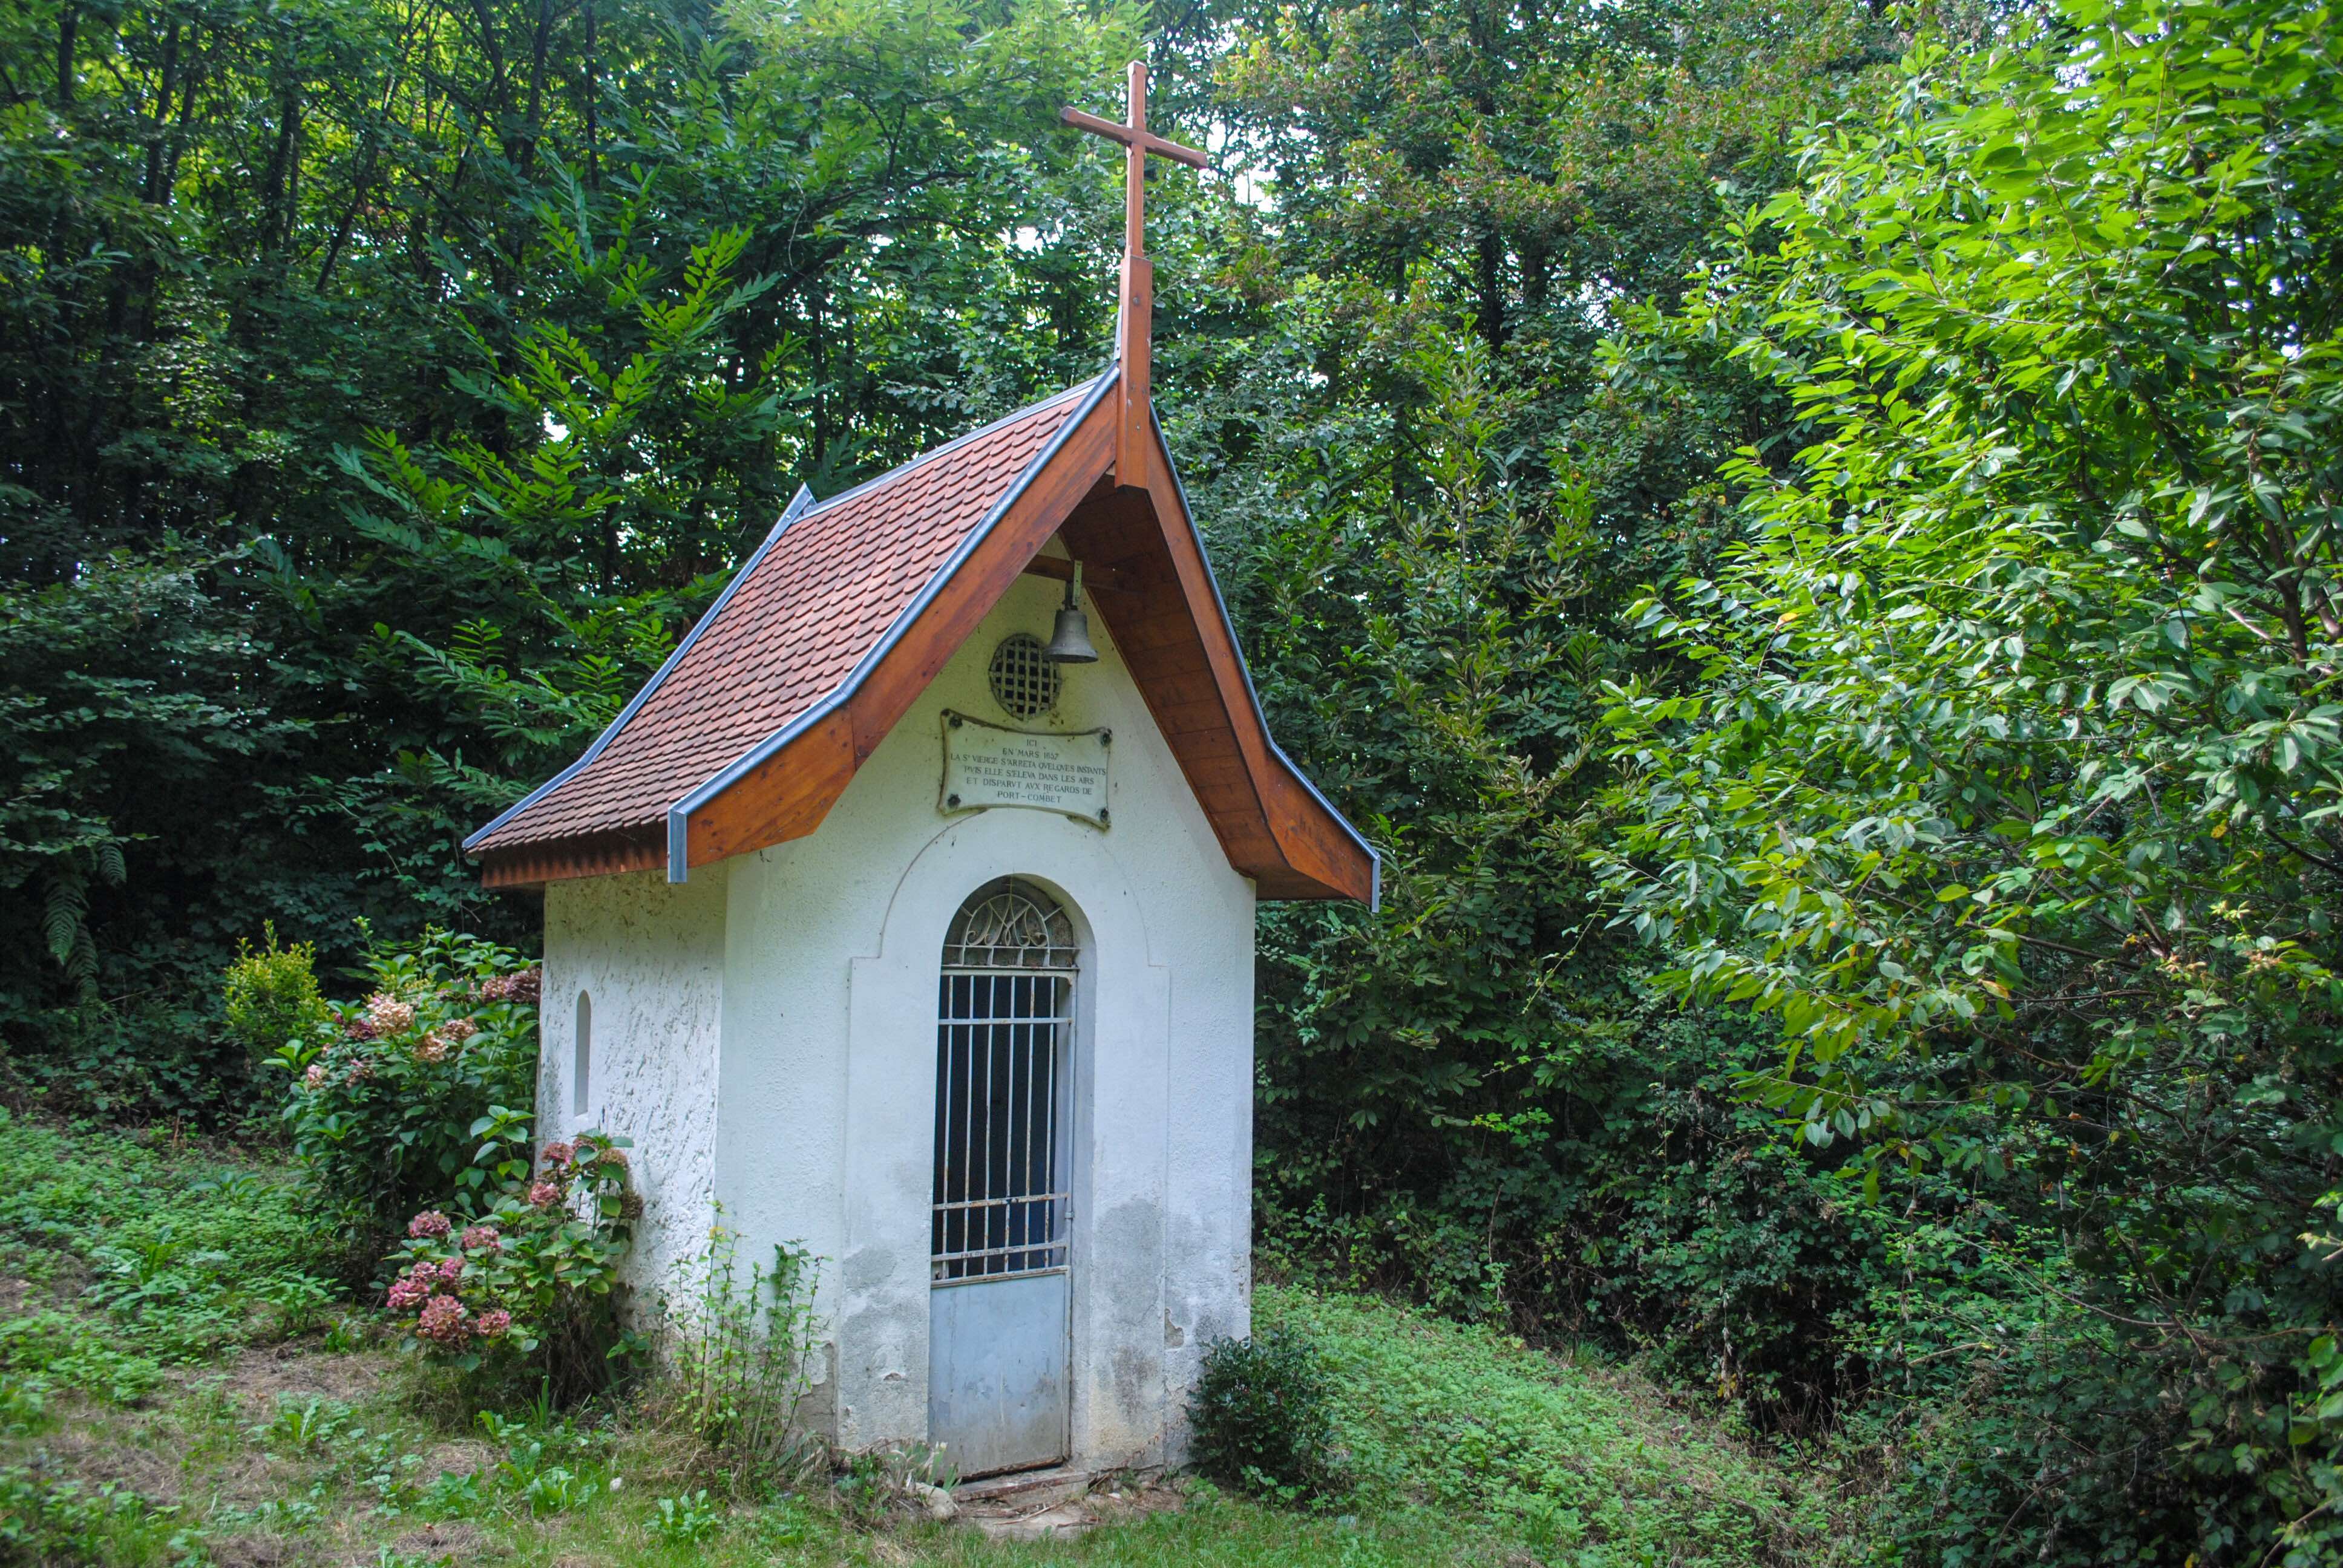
{"x": 1146, "y": 141}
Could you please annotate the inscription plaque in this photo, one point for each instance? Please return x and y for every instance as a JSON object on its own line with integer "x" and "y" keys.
{"x": 990, "y": 765}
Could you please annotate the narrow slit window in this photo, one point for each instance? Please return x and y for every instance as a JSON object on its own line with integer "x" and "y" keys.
{"x": 581, "y": 1066}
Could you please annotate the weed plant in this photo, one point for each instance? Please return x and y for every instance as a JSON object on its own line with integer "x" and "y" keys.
{"x": 735, "y": 1364}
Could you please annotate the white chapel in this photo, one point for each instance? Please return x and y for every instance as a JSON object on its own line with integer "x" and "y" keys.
{"x": 907, "y": 913}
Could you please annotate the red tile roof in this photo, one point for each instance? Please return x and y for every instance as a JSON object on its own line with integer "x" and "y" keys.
{"x": 817, "y": 597}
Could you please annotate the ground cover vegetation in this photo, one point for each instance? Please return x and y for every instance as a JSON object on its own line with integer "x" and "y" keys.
{"x": 264, "y": 1425}
{"x": 1805, "y": 534}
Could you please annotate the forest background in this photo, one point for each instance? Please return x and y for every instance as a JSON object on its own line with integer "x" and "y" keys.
{"x": 1806, "y": 534}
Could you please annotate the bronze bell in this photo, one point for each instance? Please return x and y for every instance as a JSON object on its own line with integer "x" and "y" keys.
{"x": 1070, "y": 642}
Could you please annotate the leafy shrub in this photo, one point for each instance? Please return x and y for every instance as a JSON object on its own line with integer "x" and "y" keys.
{"x": 735, "y": 1362}
{"x": 2001, "y": 764}
{"x": 526, "y": 1284}
{"x": 390, "y": 1099}
{"x": 1261, "y": 1418}
{"x": 140, "y": 1058}
{"x": 270, "y": 994}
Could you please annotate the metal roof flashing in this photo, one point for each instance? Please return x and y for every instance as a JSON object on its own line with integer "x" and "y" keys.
{"x": 800, "y": 504}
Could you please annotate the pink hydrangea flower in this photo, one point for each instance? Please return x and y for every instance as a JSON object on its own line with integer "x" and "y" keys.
{"x": 432, "y": 1047}
{"x": 407, "y": 1294}
{"x": 442, "y": 1320}
{"x": 613, "y": 1155}
{"x": 358, "y": 1026}
{"x": 316, "y": 1075}
{"x": 557, "y": 1154}
{"x": 545, "y": 1194}
{"x": 429, "y": 1224}
{"x": 522, "y": 987}
{"x": 450, "y": 1270}
{"x": 359, "y": 1072}
{"x": 492, "y": 1322}
{"x": 387, "y": 1014}
{"x": 479, "y": 1236}
{"x": 456, "y": 1030}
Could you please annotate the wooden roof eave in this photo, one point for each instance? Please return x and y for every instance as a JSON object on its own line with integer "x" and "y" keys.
{"x": 1316, "y": 843}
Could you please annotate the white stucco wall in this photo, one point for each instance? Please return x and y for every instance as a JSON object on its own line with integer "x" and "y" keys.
{"x": 827, "y": 1085}
{"x": 766, "y": 1034}
{"x": 652, "y": 957}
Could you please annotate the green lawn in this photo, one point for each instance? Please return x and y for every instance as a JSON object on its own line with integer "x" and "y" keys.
{"x": 176, "y": 1387}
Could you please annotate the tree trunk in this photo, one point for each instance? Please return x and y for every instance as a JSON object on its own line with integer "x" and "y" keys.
{"x": 1489, "y": 286}
{"x": 68, "y": 26}
{"x": 150, "y": 188}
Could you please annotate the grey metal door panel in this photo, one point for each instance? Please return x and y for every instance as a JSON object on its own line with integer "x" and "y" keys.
{"x": 997, "y": 1391}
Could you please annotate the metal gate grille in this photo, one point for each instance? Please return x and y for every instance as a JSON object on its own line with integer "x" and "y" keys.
{"x": 1004, "y": 1012}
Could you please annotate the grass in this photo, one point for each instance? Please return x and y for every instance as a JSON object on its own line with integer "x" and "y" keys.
{"x": 176, "y": 1387}
{"x": 1581, "y": 1460}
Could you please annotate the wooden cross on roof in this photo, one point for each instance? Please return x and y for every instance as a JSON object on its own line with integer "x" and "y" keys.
{"x": 1134, "y": 438}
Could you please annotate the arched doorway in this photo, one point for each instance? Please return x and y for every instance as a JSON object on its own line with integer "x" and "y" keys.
{"x": 999, "y": 1389}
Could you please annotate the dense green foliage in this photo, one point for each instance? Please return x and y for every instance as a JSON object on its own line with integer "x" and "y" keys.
{"x": 1431, "y": 514}
{"x": 2009, "y": 776}
{"x": 382, "y": 391}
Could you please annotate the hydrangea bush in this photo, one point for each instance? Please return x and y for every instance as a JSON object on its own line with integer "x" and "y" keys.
{"x": 528, "y": 1282}
{"x": 418, "y": 1094}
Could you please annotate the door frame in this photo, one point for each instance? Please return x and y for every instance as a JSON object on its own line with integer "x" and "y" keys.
{"x": 1064, "y": 1018}
{"x": 1119, "y": 1087}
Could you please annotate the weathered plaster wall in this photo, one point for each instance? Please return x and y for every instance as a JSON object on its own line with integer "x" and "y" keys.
{"x": 651, "y": 956}
{"x": 824, "y": 1125}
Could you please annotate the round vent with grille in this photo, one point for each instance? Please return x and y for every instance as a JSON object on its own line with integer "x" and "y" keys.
{"x": 1024, "y": 680}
